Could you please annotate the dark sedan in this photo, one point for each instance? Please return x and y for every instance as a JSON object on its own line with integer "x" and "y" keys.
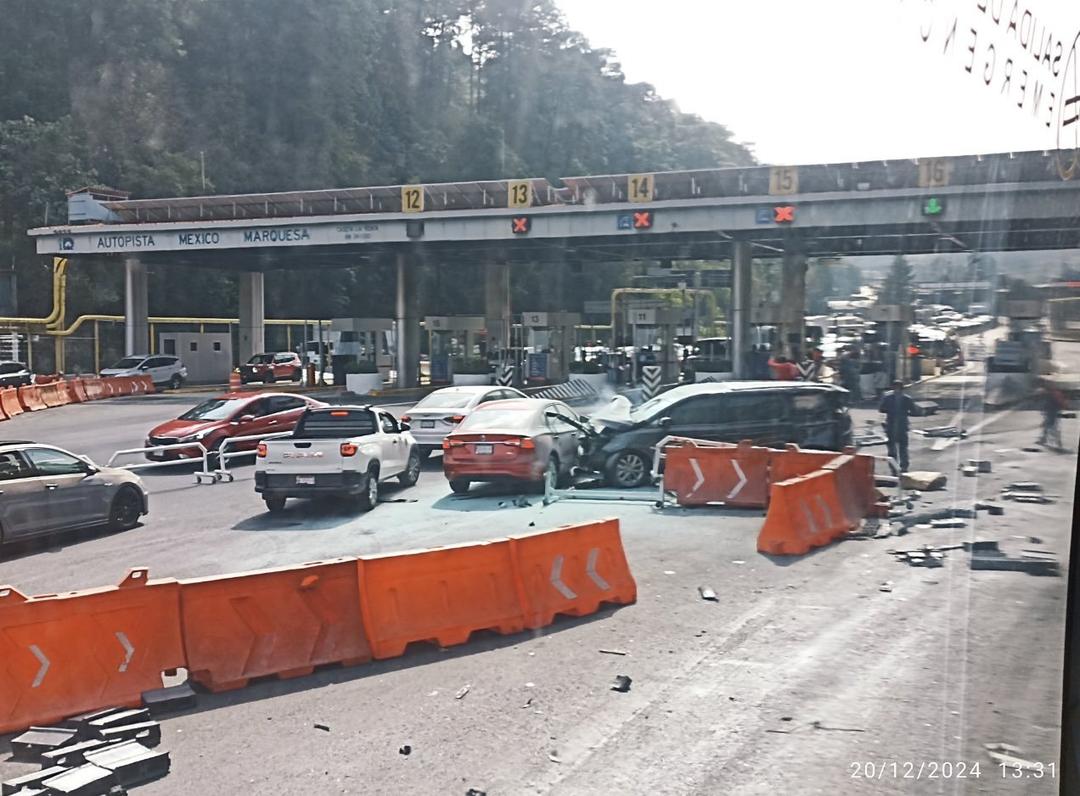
{"x": 14, "y": 374}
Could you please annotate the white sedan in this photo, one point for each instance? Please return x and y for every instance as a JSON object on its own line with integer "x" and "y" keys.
{"x": 441, "y": 411}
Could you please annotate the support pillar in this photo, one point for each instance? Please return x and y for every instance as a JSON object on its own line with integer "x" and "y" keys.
{"x": 407, "y": 317}
{"x": 136, "y": 308}
{"x": 740, "y": 307}
{"x": 252, "y": 326}
{"x": 497, "y": 308}
{"x": 793, "y": 300}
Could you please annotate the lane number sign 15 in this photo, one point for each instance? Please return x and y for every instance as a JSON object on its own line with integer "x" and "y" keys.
{"x": 783, "y": 180}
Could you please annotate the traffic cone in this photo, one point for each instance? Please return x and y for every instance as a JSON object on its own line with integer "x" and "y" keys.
{"x": 234, "y": 380}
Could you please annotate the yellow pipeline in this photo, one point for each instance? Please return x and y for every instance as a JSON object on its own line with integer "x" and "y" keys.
{"x": 59, "y": 283}
{"x": 163, "y": 319}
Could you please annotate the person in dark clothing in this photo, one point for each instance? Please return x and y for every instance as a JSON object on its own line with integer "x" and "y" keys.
{"x": 897, "y": 406}
{"x": 849, "y": 375}
{"x": 1051, "y": 403}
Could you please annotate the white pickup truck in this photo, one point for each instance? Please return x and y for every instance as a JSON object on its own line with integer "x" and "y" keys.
{"x": 342, "y": 451}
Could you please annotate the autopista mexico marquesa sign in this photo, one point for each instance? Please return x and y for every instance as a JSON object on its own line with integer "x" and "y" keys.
{"x": 1019, "y": 55}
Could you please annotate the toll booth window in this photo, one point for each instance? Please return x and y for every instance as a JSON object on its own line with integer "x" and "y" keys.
{"x": 193, "y": 346}
{"x": 169, "y": 346}
{"x": 217, "y": 346}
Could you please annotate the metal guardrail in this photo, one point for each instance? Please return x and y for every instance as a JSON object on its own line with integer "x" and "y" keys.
{"x": 171, "y": 463}
{"x": 222, "y": 473}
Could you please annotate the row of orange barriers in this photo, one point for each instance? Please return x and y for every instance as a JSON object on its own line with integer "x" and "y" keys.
{"x": 813, "y": 497}
{"x": 284, "y": 622}
{"x": 46, "y": 394}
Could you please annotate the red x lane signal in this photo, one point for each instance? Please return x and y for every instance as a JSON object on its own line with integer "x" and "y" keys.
{"x": 784, "y": 214}
{"x": 520, "y": 225}
{"x": 643, "y": 219}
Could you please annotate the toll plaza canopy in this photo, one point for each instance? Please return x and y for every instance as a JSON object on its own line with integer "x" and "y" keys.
{"x": 998, "y": 202}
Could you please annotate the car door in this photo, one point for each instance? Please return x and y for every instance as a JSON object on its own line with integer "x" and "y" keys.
{"x": 814, "y": 419}
{"x": 283, "y": 412}
{"x": 698, "y": 417}
{"x": 159, "y": 368}
{"x": 563, "y": 423}
{"x": 23, "y": 498}
{"x": 73, "y": 497}
{"x": 257, "y": 413}
{"x": 392, "y": 445}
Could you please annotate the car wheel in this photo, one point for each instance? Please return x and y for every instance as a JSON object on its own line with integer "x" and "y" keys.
{"x": 126, "y": 509}
{"x": 370, "y": 496}
{"x": 459, "y": 486}
{"x": 270, "y": 378}
{"x": 175, "y": 381}
{"x": 274, "y": 503}
{"x": 425, "y": 452}
{"x": 627, "y": 469}
{"x": 412, "y": 470}
{"x": 298, "y": 374}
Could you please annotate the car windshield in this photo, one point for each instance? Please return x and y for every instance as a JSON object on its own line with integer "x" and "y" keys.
{"x": 127, "y": 363}
{"x": 215, "y": 409}
{"x": 517, "y": 418}
{"x": 446, "y": 399}
{"x": 261, "y": 359}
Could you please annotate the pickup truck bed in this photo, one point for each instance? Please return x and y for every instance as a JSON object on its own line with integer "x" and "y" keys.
{"x": 337, "y": 451}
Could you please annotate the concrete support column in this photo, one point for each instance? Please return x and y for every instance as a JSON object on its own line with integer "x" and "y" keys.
{"x": 407, "y": 316}
{"x": 136, "y": 308}
{"x": 252, "y": 325}
{"x": 497, "y": 312}
{"x": 740, "y": 307}
{"x": 793, "y": 300}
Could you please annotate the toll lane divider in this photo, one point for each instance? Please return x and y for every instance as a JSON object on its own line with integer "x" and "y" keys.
{"x": 9, "y": 400}
{"x": 65, "y": 654}
{"x": 700, "y": 473}
{"x": 30, "y": 398}
{"x": 804, "y": 512}
{"x": 50, "y": 392}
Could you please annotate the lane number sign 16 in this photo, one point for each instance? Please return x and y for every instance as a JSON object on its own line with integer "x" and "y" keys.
{"x": 934, "y": 173}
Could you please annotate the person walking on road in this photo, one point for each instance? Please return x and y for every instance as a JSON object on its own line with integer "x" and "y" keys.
{"x": 897, "y": 406}
{"x": 850, "y": 372}
{"x": 1051, "y": 404}
{"x": 783, "y": 370}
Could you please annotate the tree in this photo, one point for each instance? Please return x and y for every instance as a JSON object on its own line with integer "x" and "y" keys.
{"x": 898, "y": 287}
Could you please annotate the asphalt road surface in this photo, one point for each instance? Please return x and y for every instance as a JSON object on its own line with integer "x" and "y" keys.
{"x": 805, "y": 677}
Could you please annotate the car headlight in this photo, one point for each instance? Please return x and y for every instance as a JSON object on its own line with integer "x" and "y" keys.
{"x": 197, "y": 436}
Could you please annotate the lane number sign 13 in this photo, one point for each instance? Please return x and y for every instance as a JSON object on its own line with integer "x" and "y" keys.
{"x": 519, "y": 193}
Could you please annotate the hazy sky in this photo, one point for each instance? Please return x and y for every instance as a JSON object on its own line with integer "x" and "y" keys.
{"x": 813, "y": 81}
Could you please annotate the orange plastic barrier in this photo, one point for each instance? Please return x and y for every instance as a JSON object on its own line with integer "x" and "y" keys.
{"x": 699, "y": 474}
{"x": 9, "y": 399}
{"x": 572, "y": 570}
{"x": 94, "y": 389}
{"x": 63, "y": 654}
{"x": 54, "y": 394}
{"x": 76, "y": 391}
{"x": 440, "y": 595}
{"x": 804, "y": 512}
{"x": 40, "y": 378}
{"x": 3, "y": 414}
{"x": 280, "y": 622}
{"x": 30, "y": 398}
{"x": 148, "y": 384}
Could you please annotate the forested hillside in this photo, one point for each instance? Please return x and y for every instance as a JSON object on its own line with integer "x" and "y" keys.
{"x": 293, "y": 94}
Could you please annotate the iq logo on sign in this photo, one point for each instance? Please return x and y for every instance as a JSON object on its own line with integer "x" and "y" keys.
{"x": 67, "y": 244}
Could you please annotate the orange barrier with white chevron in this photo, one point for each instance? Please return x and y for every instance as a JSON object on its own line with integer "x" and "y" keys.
{"x": 79, "y": 651}
{"x": 700, "y": 473}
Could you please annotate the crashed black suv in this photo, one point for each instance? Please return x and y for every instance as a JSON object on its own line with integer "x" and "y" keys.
{"x": 769, "y": 413}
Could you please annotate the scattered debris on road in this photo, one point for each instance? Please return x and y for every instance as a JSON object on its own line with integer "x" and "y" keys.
{"x": 553, "y": 756}
{"x": 322, "y": 727}
{"x": 951, "y": 522}
{"x": 886, "y": 586}
{"x": 944, "y": 432}
{"x": 817, "y": 725}
{"x": 708, "y": 594}
{"x": 1024, "y": 486}
{"x": 621, "y": 683}
{"x": 475, "y": 792}
{"x": 613, "y": 652}
{"x": 1027, "y": 497}
{"x": 462, "y": 691}
{"x": 982, "y": 465}
{"x": 923, "y": 480}
{"x": 990, "y": 507}
{"x": 169, "y": 700}
{"x": 1034, "y": 562}
{"x": 405, "y": 750}
{"x": 1007, "y": 755}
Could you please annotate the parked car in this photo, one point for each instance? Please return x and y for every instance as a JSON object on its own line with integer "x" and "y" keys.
{"x": 231, "y": 415}
{"x": 14, "y": 374}
{"x": 769, "y": 413}
{"x": 48, "y": 489}
{"x": 438, "y": 413}
{"x": 523, "y": 439}
{"x": 166, "y": 371}
{"x": 268, "y": 368}
{"x": 337, "y": 451}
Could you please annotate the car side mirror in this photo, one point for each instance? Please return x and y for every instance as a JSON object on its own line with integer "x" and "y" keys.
{"x": 245, "y": 418}
{"x": 404, "y": 426}
{"x": 88, "y": 466}
{"x": 664, "y": 422}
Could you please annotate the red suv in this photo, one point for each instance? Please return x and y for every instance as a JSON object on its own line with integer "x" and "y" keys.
{"x": 231, "y": 415}
{"x": 268, "y": 368}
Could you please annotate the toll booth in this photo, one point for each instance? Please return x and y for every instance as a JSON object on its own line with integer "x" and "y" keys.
{"x": 551, "y": 338}
{"x": 654, "y": 332}
{"x": 206, "y": 355}
{"x": 368, "y": 340}
{"x": 453, "y": 337}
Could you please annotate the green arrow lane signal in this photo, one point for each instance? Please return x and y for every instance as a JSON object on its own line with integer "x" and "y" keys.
{"x": 933, "y": 207}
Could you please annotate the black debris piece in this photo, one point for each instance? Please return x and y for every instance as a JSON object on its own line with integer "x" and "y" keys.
{"x": 612, "y": 652}
{"x": 1068, "y": 415}
{"x": 952, "y": 522}
{"x": 708, "y": 594}
{"x": 475, "y": 792}
{"x": 995, "y": 509}
{"x": 131, "y": 762}
{"x": 945, "y": 431}
{"x": 1034, "y": 562}
{"x": 925, "y": 408}
{"x": 405, "y": 750}
{"x": 169, "y": 700}
{"x": 86, "y": 780}
{"x": 73, "y": 754}
{"x": 83, "y": 719}
{"x": 37, "y": 740}
{"x": 621, "y": 683}
{"x": 1027, "y": 497}
{"x": 27, "y": 781}
{"x": 322, "y": 727}
{"x": 983, "y": 546}
{"x": 1025, "y": 486}
{"x": 148, "y": 733}
{"x": 119, "y": 719}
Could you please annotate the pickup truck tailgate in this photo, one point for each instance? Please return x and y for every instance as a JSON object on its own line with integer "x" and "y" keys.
{"x": 314, "y": 463}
